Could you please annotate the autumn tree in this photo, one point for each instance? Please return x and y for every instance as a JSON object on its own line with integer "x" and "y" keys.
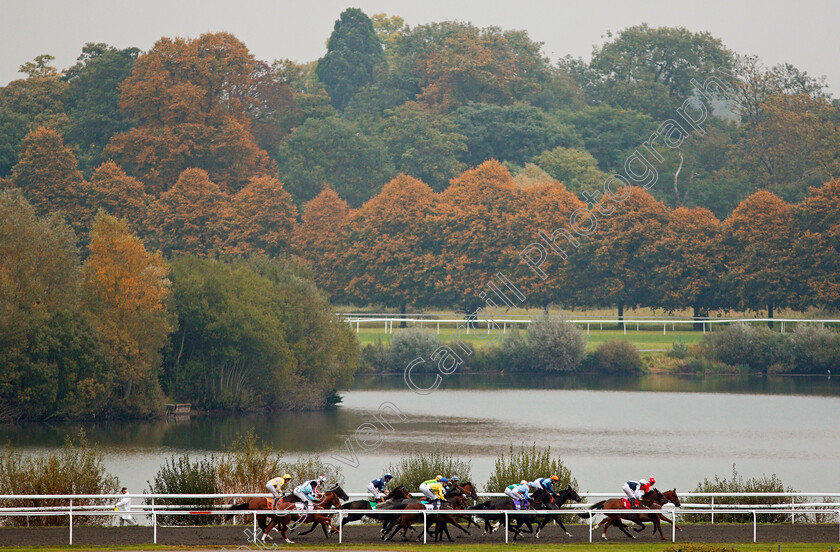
{"x": 547, "y": 206}
{"x": 353, "y": 51}
{"x": 120, "y": 195}
{"x": 817, "y": 253}
{"x": 388, "y": 246}
{"x": 476, "y": 221}
{"x": 48, "y": 174}
{"x": 316, "y": 239}
{"x": 191, "y": 217}
{"x": 759, "y": 238}
{"x": 262, "y": 219}
{"x": 612, "y": 265}
{"x": 127, "y": 288}
{"x": 190, "y": 100}
{"x": 689, "y": 262}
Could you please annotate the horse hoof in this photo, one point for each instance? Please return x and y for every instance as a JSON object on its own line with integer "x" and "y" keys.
{"x": 290, "y": 541}
{"x": 568, "y": 534}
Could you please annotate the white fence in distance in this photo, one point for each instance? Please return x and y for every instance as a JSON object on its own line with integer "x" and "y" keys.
{"x": 483, "y": 325}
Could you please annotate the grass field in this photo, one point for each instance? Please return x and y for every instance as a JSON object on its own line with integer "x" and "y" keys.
{"x": 642, "y": 339}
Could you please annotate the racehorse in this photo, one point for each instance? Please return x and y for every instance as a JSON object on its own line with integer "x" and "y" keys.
{"x": 405, "y": 521}
{"x": 669, "y": 496}
{"x": 400, "y": 493}
{"x": 268, "y": 521}
{"x": 651, "y": 500}
{"x": 555, "y": 502}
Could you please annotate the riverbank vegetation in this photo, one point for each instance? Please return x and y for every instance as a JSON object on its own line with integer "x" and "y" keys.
{"x": 75, "y": 468}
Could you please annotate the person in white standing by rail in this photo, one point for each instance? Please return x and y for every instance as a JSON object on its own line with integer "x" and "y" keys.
{"x": 124, "y": 505}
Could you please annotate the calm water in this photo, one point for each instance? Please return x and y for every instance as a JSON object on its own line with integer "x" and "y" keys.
{"x": 607, "y": 430}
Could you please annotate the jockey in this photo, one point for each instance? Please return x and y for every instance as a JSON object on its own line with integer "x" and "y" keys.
{"x": 308, "y": 490}
{"x": 433, "y": 489}
{"x": 519, "y": 492}
{"x": 275, "y": 486}
{"x": 377, "y": 486}
{"x": 635, "y": 489}
{"x": 453, "y": 482}
{"x": 545, "y": 483}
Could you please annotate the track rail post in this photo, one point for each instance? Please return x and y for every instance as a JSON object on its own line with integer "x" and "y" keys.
{"x": 424, "y": 526}
{"x": 255, "y": 527}
{"x": 755, "y": 526}
{"x": 507, "y": 528}
{"x": 154, "y": 522}
{"x": 71, "y": 521}
{"x": 340, "y": 528}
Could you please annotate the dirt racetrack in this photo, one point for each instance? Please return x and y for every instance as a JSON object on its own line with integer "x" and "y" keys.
{"x": 233, "y": 536}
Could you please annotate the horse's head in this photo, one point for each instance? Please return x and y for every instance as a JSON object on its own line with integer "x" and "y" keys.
{"x": 569, "y": 494}
{"x": 469, "y": 489}
{"x": 399, "y": 492}
{"x": 339, "y": 492}
{"x": 671, "y": 496}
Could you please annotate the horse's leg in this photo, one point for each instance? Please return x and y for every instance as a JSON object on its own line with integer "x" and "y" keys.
{"x": 283, "y": 528}
{"x": 657, "y": 527}
{"x": 314, "y": 525}
{"x": 620, "y": 524}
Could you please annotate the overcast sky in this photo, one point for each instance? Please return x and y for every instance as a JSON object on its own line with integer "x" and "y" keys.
{"x": 802, "y": 32}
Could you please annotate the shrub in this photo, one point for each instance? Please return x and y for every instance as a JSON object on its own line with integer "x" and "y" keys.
{"x": 617, "y": 356}
{"x": 181, "y": 476}
{"x": 408, "y": 344}
{"x": 528, "y": 463}
{"x": 555, "y": 345}
{"x": 741, "y": 344}
{"x": 246, "y": 466}
{"x": 77, "y": 468}
{"x": 678, "y": 350}
{"x": 738, "y": 484}
{"x": 413, "y": 470}
{"x": 511, "y": 353}
{"x": 814, "y": 349}
{"x": 376, "y": 358}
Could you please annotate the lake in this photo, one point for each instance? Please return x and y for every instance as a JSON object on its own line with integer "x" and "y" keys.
{"x": 606, "y": 429}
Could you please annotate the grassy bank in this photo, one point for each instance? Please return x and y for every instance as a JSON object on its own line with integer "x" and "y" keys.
{"x": 641, "y": 339}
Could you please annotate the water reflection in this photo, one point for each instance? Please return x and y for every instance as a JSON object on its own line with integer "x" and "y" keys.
{"x": 742, "y": 384}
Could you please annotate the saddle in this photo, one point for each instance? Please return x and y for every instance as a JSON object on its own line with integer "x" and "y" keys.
{"x": 625, "y": 503}
{"x": 521, "y": 504}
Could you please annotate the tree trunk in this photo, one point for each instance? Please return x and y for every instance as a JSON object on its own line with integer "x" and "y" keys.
{"x": 620, "y": 314}
{"x": 676, "y": 183}
{"x": 402, "y": 312}
{"x": 770, "y": 315}
{"x": 698, "y": 326}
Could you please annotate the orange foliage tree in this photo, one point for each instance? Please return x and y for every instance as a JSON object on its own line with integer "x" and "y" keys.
{"x": 191, "y": 217}
{"x": 389, "y": 246}
{"x": 612, "y": 266}
{"x": 262, "y": 219}
{"x": 759, "y": 238}
{"x": 316, "y": 239}
{"x": 126, "y": 288}
{"x": 476, "y": 222}
{"x": 546, "y": 207}
{"x": 689, "y": 261}
{"x": 119, "y": 195}
{"x": 817, "y": 256}
{"x": 191, "y": 99}
{"x": 48, "y": 174}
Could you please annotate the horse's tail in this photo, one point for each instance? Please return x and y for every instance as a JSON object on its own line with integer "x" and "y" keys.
{"x": 597, "y": 506}
{"x": 242, "y": 506}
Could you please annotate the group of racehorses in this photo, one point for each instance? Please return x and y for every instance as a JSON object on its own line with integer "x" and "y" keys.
{"x": 290, "y": 512}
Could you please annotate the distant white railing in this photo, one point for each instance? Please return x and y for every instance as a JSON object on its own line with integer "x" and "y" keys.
{"x": 152, "y": 510}
{"x": 482, "y": 324}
